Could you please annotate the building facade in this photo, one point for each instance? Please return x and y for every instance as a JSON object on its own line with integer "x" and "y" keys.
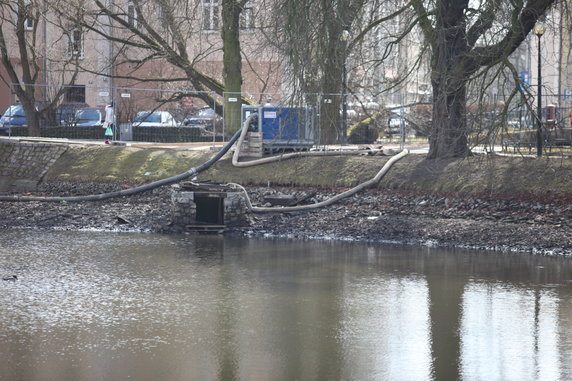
{"x": 111, "y": 57}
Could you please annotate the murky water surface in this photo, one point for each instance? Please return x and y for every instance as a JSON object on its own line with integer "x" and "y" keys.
{"x": 101, "y": 306}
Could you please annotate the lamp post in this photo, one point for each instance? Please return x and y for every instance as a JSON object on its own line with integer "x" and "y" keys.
{"x": 539, "y": 30}
{"x": 344, "y": 37}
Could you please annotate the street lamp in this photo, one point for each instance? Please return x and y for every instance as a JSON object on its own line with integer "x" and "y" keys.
{"x": 539, "y": 30}
{"x": 344, "y": 37}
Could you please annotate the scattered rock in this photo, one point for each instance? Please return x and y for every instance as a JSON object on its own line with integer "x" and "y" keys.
{"x": 123, "y": 220}
{"x": 372, "y": 215}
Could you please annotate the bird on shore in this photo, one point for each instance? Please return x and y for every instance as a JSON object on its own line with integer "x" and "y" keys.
{"x": 11, "y": 278}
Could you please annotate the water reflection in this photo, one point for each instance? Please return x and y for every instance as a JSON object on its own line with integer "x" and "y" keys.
{"x": 385, "y": 330}
{"x": 92, "y": 306}
{"x": 517, "y": 324}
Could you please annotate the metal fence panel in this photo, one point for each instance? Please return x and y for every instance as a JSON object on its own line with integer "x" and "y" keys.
{"x": 295, "y": 121}
{"x": 149, "y": 115}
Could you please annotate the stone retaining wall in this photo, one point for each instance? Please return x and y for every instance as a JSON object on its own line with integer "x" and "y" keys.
{"x": 184, "y": 208}
{"x": 22, "y": 164}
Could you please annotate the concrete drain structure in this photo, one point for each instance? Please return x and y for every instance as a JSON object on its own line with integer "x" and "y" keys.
{"x": 206, "y": 207}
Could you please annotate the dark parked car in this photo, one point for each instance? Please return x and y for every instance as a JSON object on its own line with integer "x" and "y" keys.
{"x": 88, "y": 117}
{"x": 66, "y": 113}
{"x": 14, "y": 116}
{"x": 206, "y": 118}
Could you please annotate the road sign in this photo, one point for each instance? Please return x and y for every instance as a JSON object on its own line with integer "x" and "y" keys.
{"x": 525, "y": 77}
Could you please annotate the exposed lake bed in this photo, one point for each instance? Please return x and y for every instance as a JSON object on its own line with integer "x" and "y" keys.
{"x": 492, "y": 202}
{"x": 518, "y": 225}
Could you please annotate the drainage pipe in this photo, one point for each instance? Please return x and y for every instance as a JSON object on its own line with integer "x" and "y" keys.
{"x": 131, "y": 191}
{"x": 281, "y": 157}
{"x": 350, "y": 192}
{"x": 239, "y": 135}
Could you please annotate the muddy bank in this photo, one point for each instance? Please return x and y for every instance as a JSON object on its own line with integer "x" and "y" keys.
{"x": 146, "y": 212}
{"x": 495, "y": 223}
{"x": 435, "y": 220}
{"x": 485, "y": 201}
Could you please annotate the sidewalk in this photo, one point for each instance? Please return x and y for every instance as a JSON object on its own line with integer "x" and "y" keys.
{"x": 189, "y": 145}
{"x": 414, "y": 148}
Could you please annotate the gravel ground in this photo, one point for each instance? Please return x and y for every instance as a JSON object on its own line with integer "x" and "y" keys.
{"x": 520, "y": 225}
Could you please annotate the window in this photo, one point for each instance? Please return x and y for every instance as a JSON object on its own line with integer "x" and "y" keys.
{"x": 246, "y": 21}
{"x": 161, "y": 19}
{"x": 210, "y": 14}
{"x": 28, "y": 20}
{"x": 29, "y": 24}
{"x": 75, "y": 43}
{"x": 132, "y": 15}
{"x": 75, "y": 94}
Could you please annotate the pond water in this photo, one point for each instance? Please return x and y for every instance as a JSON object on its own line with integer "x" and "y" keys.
{"x": 111, "y": 306}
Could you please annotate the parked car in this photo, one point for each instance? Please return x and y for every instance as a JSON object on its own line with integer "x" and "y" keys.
{"x": 154, "y": 119}
{"x": 88, "y": 117}
{"x": 66, "y": 113}
{"x": 14, "y": 116}
{"x": 205, "y": 117}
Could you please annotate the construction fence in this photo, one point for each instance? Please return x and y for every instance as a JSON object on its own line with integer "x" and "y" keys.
{"x": 283, "y": 121}
{"x": 155, "y": 115}
{"x": 521, "y": 124}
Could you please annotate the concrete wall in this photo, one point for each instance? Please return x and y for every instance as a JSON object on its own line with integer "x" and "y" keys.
{"x": 22, "y": 164}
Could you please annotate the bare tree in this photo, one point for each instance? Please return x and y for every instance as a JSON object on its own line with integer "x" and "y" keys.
{"x": 185, "y": 35}
{"x": 334, "y": 48}
{"x": 463, "y": 40}
{"x": 24, "y": 56}
{"x": 314, "y": 36}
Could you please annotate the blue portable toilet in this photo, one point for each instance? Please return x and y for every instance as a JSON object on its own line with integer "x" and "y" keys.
{"x": 283, "y": 127}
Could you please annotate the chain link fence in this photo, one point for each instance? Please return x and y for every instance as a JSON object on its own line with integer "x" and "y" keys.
{"x": 286, "y": 122}
{"x": 154, "y": 115}
{"x": 145, "y": 115}
{"x": 336, "y": 119}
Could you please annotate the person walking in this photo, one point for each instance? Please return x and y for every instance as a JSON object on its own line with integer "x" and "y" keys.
{"x": 109, "y": 123}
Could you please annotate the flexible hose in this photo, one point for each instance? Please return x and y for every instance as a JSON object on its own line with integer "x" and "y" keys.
{"x": 284, "y": 156}
{"x": 239, "y": 135}
{"x": 350, "y": 192}
{"x": 131, "y": 191}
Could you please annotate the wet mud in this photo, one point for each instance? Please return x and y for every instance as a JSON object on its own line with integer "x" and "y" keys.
{"x": 491, "y": 223}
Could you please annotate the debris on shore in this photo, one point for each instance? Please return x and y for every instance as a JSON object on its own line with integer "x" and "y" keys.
{"x": 491, "y": 223}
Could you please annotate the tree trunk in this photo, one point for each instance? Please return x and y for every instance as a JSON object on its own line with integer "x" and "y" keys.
{"x": 232, "y": 61}
{"x": 330, "y": 108}
{"x": 32, "y": 115}
{"x": 448, "y": 137}
{"x": 333, "y": 59}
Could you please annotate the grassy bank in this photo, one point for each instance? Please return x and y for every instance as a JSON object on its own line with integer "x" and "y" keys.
{"x": 476, "y": 175}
